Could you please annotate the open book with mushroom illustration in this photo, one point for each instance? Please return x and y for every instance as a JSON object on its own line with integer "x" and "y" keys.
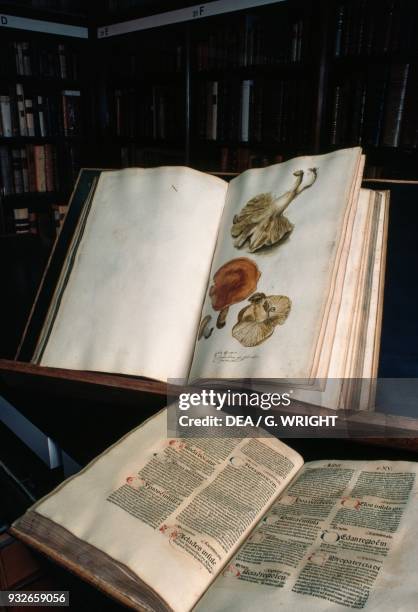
{"x": 172, "y": 273}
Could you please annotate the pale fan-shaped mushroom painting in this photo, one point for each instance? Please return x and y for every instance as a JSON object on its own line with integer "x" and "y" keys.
{"x": 262, "y": 222}
{"x": 258, "y": 320}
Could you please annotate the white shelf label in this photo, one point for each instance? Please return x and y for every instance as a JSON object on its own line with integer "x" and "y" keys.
{"x": 190, "y": 13}
{"x": 46, "y": 27}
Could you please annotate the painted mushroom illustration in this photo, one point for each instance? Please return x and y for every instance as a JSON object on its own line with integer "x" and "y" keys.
{"x": 233, "y": 282}
{"x": 262, "y": 223}
{"x": 257, "y": 321}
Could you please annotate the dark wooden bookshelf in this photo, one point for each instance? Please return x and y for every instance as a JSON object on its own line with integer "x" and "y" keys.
{"x": 24, "y": 255}
{"x": 371, "y": 66}
{"x": 302, "y": 50}
{"x": 328, "y": 39}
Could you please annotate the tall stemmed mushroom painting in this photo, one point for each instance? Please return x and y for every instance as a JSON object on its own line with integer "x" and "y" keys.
{"x": 261, "y": 224}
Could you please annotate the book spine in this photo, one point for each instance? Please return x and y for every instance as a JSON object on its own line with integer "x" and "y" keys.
{"x": 6, "y": 116}
{"x": 357, "y": 89}
{"x": 245, "y": 109}
{"x": 40, "y": 117}
{"x": 17, "y": 170}
{"x": 65, "y": 114}
{"x": 258, "y": 112}
{"x": 202, "y": 111}
{"x": 221, "y": 110}
{"x": 394, "y": 105}
{"x": 23, "y": 129}
{"x": 6, "y": 171}
{"x": 374, "y": 108}
{"x": 25, "y": 170}
{"x": 21, "y": 220}
{"x": 55, "y": 113}
{"x": 19, "y": 59}
{"x": 409, "y": 136}
{"x": 49, "y": 168}
{"x": 30, "y": 157}
{"x": 400, "y": 108}
{"x": 214, "y": 125}
{"x": 27, "y": 68}
{"x": 209, "y": 110}
{"x": 224, "y": 159}
{"x": 294, "y": 42}
{"x": 55, "y": 175}
{"x": 39, "y": 159}
{"x": 30, "y": 124}
{"x": 16, "y": 57}
{"x": 62, "y": 62}
{"x": 300, "y": 52}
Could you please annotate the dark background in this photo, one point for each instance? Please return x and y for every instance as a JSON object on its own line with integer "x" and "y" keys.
{"x": 325, "y": 74}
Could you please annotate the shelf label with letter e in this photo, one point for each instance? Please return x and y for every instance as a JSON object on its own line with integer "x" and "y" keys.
{"x": 198, "y": 11}
{"x": 46, "y": 27}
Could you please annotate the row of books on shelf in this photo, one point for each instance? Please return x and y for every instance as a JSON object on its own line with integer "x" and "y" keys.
{"x": 228, "y": 159}
{"x": 27, "y": 221}
{"x": 369, "y": 28}
{"x": 145, "y": 58}
{"x": 155, "y": 113}
{"x": 28, "y": 58}
{"x": 34, "y": 115}
{"x": 28, "y": 169}
{"x": 379, "y": 109}
{"x": 255, "y": 41}
{"x": 253, "y": 110}
{"x": 136, "y": 155}
{"x": 239, "y": 159}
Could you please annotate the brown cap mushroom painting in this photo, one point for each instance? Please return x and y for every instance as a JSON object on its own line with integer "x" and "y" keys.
{"x": 257, "y": 321}
{"x": 262, "y": 223}
{"x": 235, "y": 281}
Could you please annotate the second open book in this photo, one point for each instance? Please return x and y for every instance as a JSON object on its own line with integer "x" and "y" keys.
{"x": 165, "y": 524}
{"x": 176, "y": 274}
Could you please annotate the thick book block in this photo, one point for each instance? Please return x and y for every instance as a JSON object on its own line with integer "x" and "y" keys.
{"x": 125, "y": 289}
{"x": 95, "y": 192}
{"x": 233, "y": 524}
